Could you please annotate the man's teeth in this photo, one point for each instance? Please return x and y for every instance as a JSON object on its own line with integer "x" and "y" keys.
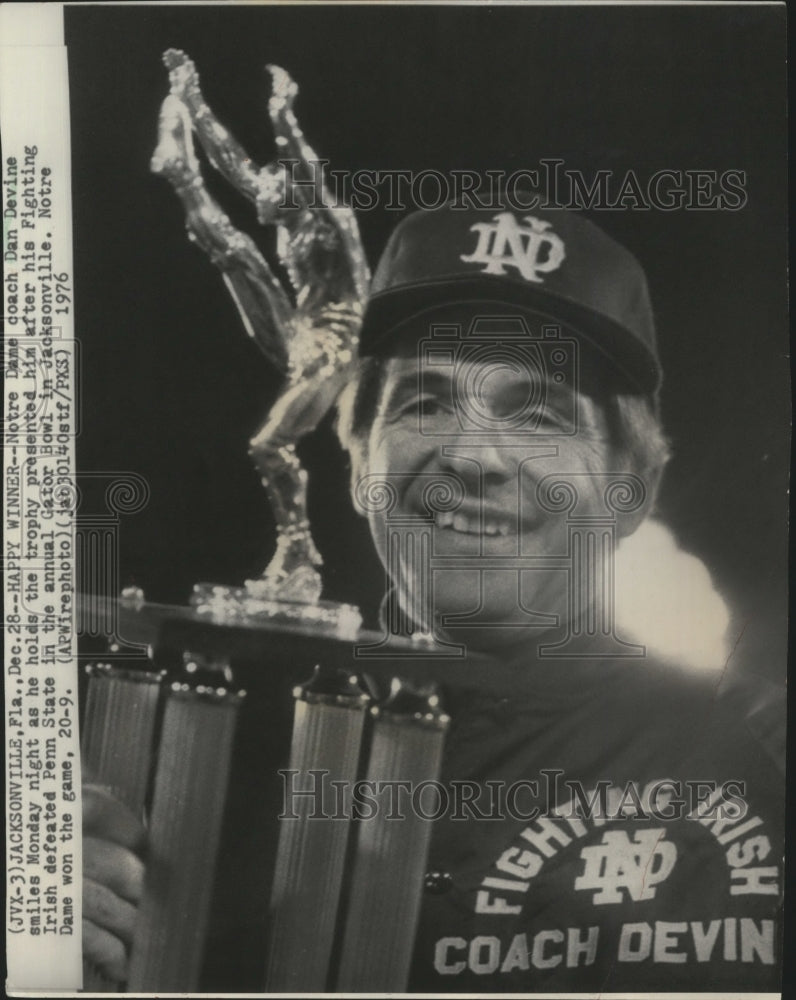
{"x": 471, "y": 525}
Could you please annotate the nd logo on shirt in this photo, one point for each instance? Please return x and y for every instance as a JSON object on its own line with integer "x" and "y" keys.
{"x": 528, "y": 920}
{"x": 619, "y": 862}
{"x": 532, "y": 249}
{"x": 630, "y": 865}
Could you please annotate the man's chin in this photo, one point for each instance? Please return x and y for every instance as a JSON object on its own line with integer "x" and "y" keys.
{"x": 468, "y": 599}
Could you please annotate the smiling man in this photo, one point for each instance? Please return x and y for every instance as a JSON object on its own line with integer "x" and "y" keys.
{"x": 491, "y": 429}
{"x": 506, "y": 450}
{"x": 525, "y": 367}
{"x": 626, "y": 832}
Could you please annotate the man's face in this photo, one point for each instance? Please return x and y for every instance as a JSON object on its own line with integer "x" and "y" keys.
{"x": 493, "y": 537}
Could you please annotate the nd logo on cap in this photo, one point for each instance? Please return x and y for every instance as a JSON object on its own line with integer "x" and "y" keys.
{"x": 564, "y": 268}
{"x": 532, "y": 249}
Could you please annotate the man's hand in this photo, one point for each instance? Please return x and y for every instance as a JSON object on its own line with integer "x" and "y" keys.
{"x": 113, "y": 880}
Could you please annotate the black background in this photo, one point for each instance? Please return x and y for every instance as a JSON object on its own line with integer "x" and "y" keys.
{"x": 172, "y": 388}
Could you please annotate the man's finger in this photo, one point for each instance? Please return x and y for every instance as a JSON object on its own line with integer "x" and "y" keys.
{"x": 106, "y": 817}
{"x": 113, "y": 866}
{"x": 107, "y": 910}
{"x": 105, "y": 951}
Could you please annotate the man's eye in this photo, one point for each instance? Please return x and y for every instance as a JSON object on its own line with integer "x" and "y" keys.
{"x": 546, "y": 418}
{"x": 424, "y": 406}
{"x": 430, "y": 406}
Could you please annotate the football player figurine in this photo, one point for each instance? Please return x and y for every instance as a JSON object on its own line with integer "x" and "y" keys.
{"x": 309, "y": 333}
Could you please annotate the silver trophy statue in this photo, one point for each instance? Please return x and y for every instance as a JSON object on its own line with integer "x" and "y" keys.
{"x": 312, "y": 343}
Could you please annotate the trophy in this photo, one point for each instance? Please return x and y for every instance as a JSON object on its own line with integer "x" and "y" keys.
{"x": 167, "y": 734}
{"x": 312, "y": 343}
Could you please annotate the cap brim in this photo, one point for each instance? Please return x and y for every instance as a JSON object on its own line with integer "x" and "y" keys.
{"x": 626, "y": 354}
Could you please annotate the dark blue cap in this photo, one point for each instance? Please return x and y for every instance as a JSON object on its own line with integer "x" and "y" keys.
{"x": 553, "y": 262}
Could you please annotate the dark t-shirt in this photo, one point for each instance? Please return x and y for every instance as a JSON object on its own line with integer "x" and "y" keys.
{"x": 670, "y": 881}
{"x": 650, "y": 890}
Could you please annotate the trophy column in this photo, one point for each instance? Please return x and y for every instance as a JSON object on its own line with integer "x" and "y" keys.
{"x": 190, "y": 784}
{"x": 328, "y": 725}
{"x": 392, "y": 846}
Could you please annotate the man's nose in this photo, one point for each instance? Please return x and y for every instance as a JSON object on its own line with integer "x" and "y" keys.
{"x": 475, "y": 460}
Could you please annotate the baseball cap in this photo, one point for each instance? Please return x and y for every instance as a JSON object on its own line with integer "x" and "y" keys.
{"x": 555, "y": 262}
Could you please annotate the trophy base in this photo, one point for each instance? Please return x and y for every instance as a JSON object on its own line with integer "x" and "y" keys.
{"x": 236, "y": 605}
